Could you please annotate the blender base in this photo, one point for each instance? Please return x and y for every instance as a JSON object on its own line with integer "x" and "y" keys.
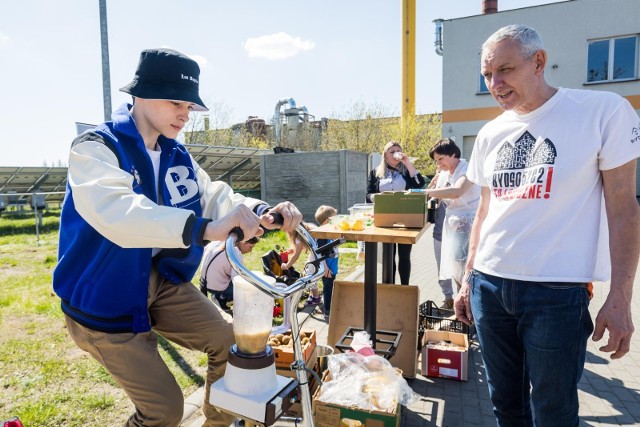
{"x": 263, "y": 408}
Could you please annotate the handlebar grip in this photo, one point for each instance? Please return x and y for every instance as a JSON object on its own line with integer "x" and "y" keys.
{"x": 278, "y": 219}
{"x": 326, "y": 249}
{"x": 238, "y": 232}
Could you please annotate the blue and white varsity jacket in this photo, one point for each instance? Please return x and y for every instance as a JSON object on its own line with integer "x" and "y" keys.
{"x": 113, "y": 216}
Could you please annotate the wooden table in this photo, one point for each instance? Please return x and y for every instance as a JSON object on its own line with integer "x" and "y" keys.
{"x": 371, "y": 236}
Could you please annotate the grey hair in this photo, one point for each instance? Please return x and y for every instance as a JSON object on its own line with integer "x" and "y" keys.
{"x": 528, "y": 38}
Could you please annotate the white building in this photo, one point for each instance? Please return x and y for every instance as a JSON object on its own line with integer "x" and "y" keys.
{"x": 591, "y": 44}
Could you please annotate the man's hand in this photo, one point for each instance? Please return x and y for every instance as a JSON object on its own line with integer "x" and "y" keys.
{"x": 615, "y": 315}
{"x": 240, "y": 216}
{"x": 462, "y": 302}
{"x": 290, "y": 214}
{"x": 623, "y": 215}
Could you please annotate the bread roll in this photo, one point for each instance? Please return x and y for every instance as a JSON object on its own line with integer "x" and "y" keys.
{"x": 348, "y": 422}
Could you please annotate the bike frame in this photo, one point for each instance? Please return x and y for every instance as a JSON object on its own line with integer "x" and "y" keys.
{"x": 314, "y": 271}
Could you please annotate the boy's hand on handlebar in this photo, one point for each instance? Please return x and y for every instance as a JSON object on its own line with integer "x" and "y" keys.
{"x": 240, "y": 216}
{"x": 291, "y": 217}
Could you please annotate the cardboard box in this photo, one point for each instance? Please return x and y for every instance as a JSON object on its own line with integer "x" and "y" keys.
{"x": 330, "y": 414}
{"x": 310, "y": 362}
{"x": 400, "y": 209}
{"x": 442, "y": 362}
{"x": 284, "y": 354}
{"x": 396, "y": 310}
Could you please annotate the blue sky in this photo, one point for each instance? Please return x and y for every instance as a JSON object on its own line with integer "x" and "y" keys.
{"x": 328, "y": 55}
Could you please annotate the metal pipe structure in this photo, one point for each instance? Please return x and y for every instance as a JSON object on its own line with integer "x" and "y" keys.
{"x": 438, "y": 43}
{"x": 104, "y": 45}
{"x": 276, "y": 118}
{"x": 408, "y": 59}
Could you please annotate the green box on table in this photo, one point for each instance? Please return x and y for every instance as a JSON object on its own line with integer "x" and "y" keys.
{"x": 400, "y": 209}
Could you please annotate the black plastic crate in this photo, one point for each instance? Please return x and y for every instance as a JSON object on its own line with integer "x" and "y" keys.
{"x": 429, "y": 308}
{"x": 439, "y": 319}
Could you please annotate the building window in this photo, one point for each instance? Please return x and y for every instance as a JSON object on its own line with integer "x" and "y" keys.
{"x": 612, "y": 59}
{"x": 482, "y": 87}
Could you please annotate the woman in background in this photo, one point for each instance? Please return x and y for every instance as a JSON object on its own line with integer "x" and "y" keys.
{"x": 461, "y": 197}
{"x": 395, "y": 173}
{"x": 440, "y": 181}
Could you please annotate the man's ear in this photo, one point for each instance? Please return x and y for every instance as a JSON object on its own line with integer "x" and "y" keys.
{"x": 540, "y": 59}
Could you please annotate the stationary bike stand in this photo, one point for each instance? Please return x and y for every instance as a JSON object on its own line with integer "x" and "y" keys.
{"x": 314, "y": 270}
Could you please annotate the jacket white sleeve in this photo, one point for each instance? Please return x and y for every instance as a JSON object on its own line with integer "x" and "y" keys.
{"x": 104, "y": 197}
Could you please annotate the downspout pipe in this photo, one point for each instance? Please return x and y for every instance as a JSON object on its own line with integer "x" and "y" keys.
{"x": 276, "y": 117}
{"x": 438, "y": 36}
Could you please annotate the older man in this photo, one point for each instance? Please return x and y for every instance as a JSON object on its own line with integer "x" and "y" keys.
{"x": 543, "y": 232}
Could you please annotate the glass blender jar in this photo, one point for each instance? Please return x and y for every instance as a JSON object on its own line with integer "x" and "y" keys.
{"x": 252, "y": 315}
{"x": 251, "y": 367}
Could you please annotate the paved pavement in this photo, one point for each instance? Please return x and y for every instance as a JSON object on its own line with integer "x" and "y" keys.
{"x": 609, "y": 391}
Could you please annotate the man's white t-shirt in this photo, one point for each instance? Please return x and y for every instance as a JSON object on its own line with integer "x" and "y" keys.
{"x": 546, "y": 219}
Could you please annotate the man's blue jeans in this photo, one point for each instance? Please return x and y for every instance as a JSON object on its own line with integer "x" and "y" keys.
{"x": 533, "y": 337}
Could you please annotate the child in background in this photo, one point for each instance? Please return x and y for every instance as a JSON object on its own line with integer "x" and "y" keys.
{"x": 323, "y": 214}
{"x": 296, "y": 247}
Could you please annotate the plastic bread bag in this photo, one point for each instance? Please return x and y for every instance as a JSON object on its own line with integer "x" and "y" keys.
{"x": 365, "y": 382}
{"x": 361, "y": 344}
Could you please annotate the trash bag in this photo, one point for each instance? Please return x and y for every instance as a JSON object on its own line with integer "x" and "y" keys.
{"x": 272, "y": 266}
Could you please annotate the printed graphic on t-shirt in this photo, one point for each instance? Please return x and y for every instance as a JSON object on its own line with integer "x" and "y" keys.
{"x": 635, "y": 134}
{"x": 524, "y": 169}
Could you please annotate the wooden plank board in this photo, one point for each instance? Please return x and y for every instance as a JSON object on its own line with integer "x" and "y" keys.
{"x": 371, "y": 234}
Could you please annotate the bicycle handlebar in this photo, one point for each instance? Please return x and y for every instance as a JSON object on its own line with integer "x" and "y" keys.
{"x": 303, "y": 282}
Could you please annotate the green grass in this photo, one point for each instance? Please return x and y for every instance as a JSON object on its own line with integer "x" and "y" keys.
{"x": 44, "y": 378}
{"x": 269, "y": 241}
{"x": 25, "y": 223}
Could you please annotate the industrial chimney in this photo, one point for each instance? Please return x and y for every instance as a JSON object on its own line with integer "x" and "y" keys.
{"x": 489, "y": 6}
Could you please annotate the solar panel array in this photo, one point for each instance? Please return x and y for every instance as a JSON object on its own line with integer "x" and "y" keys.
{"x": 31, "y": 180}
{"x": 239, "y": 167}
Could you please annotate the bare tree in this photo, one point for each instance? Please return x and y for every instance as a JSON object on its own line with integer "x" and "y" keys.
{"x": 367, "y": 128}
{"x": 209, "y": 127}
{"x": 358, "y": 127}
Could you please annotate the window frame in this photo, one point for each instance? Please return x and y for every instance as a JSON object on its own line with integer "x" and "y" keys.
{"x": 481, "y": 82}
{"x": 610, "y": 59}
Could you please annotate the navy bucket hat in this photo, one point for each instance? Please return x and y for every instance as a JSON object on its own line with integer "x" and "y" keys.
{"x": 166, "y": 74}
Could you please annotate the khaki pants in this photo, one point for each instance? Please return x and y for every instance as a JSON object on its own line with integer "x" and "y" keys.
{"x": 181, "y": 314}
